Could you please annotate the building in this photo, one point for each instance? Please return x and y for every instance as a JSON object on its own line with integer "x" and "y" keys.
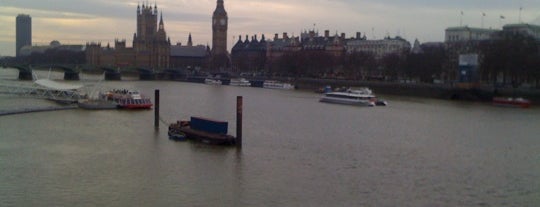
{"x": 379, "y": 48}
{"x": 220, "y": 57}
{"x": 54, "y": 45}
{"x": 525, "y": 29}
{"x": 189, "y": 56}
{"x": 249, "y": 56}
{"x": 331, "y": 45}
{"x": 24, "y": 32}
{"x": 151, "y": 47}
{"x": 464, "y": 34}
{"x": 278, "y": 47}
{"x": 463, "y": 40}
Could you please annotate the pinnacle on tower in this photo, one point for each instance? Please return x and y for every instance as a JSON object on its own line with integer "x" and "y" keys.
{"x": 161, "y": 19}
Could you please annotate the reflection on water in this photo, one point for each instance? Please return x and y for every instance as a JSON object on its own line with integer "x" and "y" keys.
{"x": 297, "y": 152}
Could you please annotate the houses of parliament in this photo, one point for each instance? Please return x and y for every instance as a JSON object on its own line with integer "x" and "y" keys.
{"x": 152, "y": 48}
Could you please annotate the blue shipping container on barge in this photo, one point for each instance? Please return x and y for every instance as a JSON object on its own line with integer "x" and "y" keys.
{"x": 208, "y": 125}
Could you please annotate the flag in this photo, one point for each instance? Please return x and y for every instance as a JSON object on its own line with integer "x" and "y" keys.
{"x": 483, "y": 14}
{"x": 502, "y": 17}
{"x": 461, "y": 13}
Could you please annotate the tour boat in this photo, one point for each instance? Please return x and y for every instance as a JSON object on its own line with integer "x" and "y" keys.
{"x": 511, "y": 102}
{"x": 210, "y": 81}
{"x": 272, "y": 84}
{"x": 240, "y": 82}
{"x": 128, "y": 99}
{"x": 360, "y": 97}
{"x": 348, "y": 98}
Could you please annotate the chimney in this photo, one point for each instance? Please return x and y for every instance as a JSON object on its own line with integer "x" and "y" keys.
{"x": 342, "y": 35}
{"x": 358, "y": 35}
{"x": 276, "y": 36}
{"x": 285, "y": 36}
{"x": 327, "y": 33}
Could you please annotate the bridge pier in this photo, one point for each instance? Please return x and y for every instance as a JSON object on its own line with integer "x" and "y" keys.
{"x": 147, "y": 76}
{"x": 109, "y": 75}
{"x": 69, "y": 75}
{"x": 25, "y": 75}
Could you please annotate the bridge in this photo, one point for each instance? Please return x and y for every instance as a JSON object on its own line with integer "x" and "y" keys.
{"x": 71, "y": 72}
{"x": 25, "y": 72}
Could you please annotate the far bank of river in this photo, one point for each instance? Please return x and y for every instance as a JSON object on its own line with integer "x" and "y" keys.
{"x": 439, "y": 91}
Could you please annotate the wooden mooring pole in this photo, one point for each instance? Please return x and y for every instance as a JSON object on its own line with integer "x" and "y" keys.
{"x": 239, "y": 106}
{"x": 156, "y": 109}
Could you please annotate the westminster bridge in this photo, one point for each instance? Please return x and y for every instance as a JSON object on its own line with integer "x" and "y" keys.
{"x": 71, "y": 72}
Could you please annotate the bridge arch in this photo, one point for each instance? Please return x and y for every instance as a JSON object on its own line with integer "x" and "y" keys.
{"x": 111, "y": 73}
{"x": 146, "y": 74}
{"x": 25, "y": 73}
{"x": 69, "y": 73}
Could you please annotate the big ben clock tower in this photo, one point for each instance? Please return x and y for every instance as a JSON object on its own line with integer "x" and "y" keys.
{"x": 220, "y": 58}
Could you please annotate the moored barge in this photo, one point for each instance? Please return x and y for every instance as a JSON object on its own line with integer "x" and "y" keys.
{"x": 203, "y": 130}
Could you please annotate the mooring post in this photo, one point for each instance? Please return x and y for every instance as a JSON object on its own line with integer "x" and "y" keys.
{"x": 239, "y": 121}
{"x": 156, "y": 109}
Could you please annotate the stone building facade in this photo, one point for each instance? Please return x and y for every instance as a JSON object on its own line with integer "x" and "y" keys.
{"x": 189, "y": 56}
{"x": 151, "y": 47}
{"x": 380, "y": 48}
{"x": 249, "y": 55}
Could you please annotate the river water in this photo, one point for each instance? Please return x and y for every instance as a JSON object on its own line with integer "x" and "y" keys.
{"x": 297, "y": 152}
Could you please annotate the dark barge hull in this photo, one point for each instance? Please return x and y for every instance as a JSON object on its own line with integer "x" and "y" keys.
{"x": 208, "y": 138}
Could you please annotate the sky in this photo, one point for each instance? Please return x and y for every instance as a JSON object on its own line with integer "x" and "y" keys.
{"x": 81, "y": 21}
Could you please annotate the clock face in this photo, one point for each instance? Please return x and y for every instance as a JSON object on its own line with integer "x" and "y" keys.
{"x": 222, "y": 21}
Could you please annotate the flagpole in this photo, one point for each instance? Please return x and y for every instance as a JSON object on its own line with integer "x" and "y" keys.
{"x": 520, "y": 9}
{"x": 461, "y": 19}
{"x": 483, "y": 15}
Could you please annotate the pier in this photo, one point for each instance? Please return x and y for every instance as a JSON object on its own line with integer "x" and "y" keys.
{"x": 31, "y": 110}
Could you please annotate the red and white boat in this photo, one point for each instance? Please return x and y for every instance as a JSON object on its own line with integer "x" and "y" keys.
{"x": 511, "y": 102}
{"x": 129, "y": 99}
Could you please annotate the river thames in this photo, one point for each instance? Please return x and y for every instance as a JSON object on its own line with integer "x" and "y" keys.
{"x": 297, "y": 152}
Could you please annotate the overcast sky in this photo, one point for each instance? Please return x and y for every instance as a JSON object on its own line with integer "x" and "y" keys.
{"x": 81, "y": 21}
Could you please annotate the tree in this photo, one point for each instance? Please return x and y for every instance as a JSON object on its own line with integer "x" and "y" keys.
{"x": 512, "y": 55}
{"x": 426, "y": 65}
{"x": 393, "y": 65}
{"x": 358, "y": 64}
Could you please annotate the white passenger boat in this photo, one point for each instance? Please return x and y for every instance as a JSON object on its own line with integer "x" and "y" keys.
{"x": 349, "y": 98}
{"x": 240, "y": 82}
{"x": 360, "y": 97}
{"x": 277, "y": 85}
{"x": 210, "y": 81}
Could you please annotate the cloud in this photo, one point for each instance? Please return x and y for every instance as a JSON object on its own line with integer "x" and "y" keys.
{"x": 103, "y": 20}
